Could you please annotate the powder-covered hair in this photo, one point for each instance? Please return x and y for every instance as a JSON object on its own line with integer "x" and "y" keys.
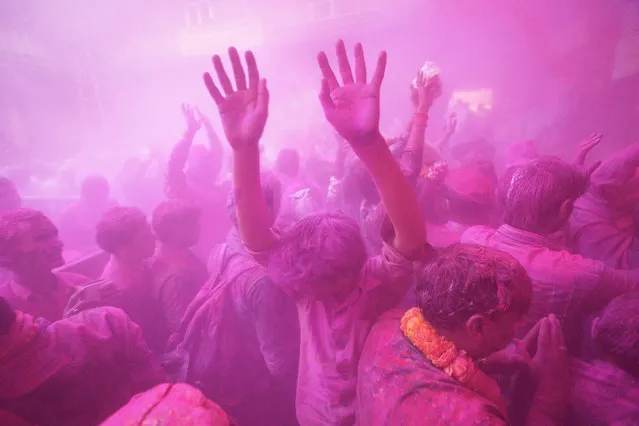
{"x": 535, "y": 192}
{"x": 172, "y": 215}
{"x": 11, "y": 229}
{"x": 118, "y": 227}
{"x": 272, "y": 192}
{"x": 466, "y": 280}
{"x": 616, "y": 335}
{"x": 315, "y": 250}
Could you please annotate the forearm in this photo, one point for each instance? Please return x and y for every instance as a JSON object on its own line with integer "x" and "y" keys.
{"x": 215, "y": 144}
{"x": 180, "y": 153}
{"x": 619, "y": 168}
{"x": 545, "y": 412}
{"x": 412, "y": 156}
{"x": 252, "y": 213}
{"x": 397, "y": 195}
{"x": 442, "y": 144}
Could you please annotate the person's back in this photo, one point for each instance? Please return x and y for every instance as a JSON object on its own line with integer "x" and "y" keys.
{"x": 605, "y": 391}
{"x": 177, "y": 273}
{"x": 603, "y": 395}
{"x": 76, "y": 371}
{"x": 538, "y": 201}
{"x": 126, "y": 281}
{"x": 249, "y": 350}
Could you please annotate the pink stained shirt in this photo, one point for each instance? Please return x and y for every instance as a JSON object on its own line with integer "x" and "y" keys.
{"x": 332, "y": 338}
{"x": 567, "y": 285}
{"x": 49, "y": 304}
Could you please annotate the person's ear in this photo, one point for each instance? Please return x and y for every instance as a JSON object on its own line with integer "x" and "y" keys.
{"x": 475, "y": 326}
{"x": 566, "y": 209}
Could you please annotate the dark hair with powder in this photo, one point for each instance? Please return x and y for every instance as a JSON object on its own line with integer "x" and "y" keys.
{"x": 118, "y": 227}
{"x": 535, "y": 192}
{"x": 315, "y": 250}
{"x": 466, "y": 280}
{"x": 616, "y": 334}
{"x": 11, "y": 230}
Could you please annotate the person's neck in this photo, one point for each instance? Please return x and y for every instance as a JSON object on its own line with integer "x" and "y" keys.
{"x": 125, "y": 272}
{"x": 37, "y": 282}
{"x": 458, "y": 338}
{"x": 173, "y": 252}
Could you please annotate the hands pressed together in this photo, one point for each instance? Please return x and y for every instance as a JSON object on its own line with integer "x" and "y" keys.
{"x": 543, "y": 353}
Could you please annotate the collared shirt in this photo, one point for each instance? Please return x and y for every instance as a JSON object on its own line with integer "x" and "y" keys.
{"x": 567, "y": 285}
{"x": 79, "y": 370}
{"x": 602, "y": 395}
{"x": 176, "y": 281}
{"x": 602, "y": 223}
{"x": 48, "y": 305}
{"x": 397, "y": 385}
{"x": 332, "y": 338}
{"x": 247, "y": 359}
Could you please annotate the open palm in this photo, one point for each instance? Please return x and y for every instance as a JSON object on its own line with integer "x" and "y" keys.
{"x": 244, "y": 110}
{"x": 353, "y": 109}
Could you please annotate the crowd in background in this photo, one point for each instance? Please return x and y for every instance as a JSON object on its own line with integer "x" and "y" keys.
{"x": 404, "y": 283}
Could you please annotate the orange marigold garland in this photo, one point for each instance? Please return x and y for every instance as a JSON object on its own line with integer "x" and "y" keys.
{"x": 443, "y": 354}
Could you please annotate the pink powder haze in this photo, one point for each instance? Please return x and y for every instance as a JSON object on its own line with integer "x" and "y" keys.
{"x": 87, "y": 85}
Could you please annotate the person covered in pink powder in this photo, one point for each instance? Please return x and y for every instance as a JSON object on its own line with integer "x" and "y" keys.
{"x": 321, "y": 260}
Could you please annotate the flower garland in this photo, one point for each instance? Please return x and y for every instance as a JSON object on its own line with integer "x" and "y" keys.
{"x": 443, "y": 354}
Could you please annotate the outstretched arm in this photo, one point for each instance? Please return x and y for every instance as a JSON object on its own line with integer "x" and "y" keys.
{"x": 175, "y": 178}
{"x": 243, "y": 112}
{"x": 353, "y": 109}
{"x": 416, "y": 153}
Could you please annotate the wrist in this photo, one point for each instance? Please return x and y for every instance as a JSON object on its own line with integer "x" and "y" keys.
{"x": 372, "y": 139}
{"x": 190, "y": 131}
{"x": 420, "y": 119}
{"x": 245, "y": 148}
{"x": 422, "y": 109}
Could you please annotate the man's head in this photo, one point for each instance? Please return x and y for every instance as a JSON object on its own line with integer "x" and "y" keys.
{"x": 29, "y": 242}
{"x": 471, "y": 195}
{"x": 125, "y": 233}
{"x": 539, "y": 196}
{"x": 476, "y": 296}
{"x": 9, "y": 197}
{"x": 272, "y": 192}
{"x": 176, "y": 223}
{"x": 616, "y": 333}
{"x": 320, "y": 257}
{"x": 288, "y": 163}
{"x": 95, "y": 191}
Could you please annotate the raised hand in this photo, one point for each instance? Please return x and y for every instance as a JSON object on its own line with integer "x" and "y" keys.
{"x": 201, "y": 118}
{"x": 451, "y": 124}
{"x": 550, "y": 363}
{"x": 586, "y": 146}
{"x": 243, "y": 110}
{"x": 192, "y": 123}
{"x": 428, "y": 90}
{"x": 352, "y": 108}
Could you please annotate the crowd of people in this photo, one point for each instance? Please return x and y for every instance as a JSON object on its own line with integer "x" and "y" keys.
{"x": 406, "y": 283}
